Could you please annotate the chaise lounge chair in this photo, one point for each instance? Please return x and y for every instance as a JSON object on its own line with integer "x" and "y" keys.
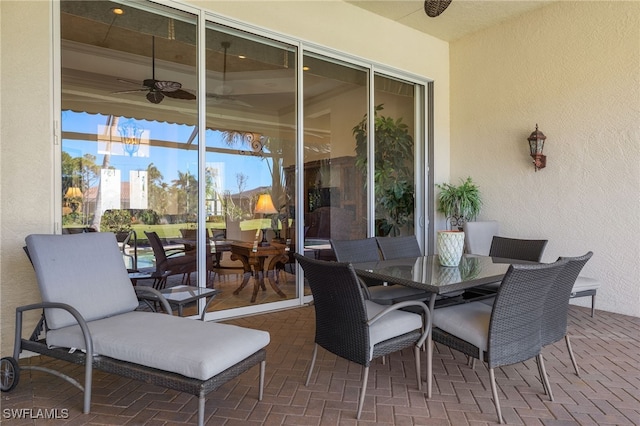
{"x": 89, "y": 303}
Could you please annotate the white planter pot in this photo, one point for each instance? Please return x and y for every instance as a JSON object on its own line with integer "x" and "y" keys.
{"x": 450, "y": 246}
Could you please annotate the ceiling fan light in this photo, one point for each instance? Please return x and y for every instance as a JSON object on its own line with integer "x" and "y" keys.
{"x": 434, "y": 8}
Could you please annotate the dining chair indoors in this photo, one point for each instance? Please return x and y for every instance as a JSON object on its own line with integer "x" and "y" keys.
{"x": 478, "y": 236}
{"x": 356, "y": 329}
{"x": 508, "y": 332}
{"x": 556, "y": 306}
{"x": 366, "y": 250}
{"x": 170, "y": 262}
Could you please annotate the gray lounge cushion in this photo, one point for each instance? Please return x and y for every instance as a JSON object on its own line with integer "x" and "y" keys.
{"x": 189, "y": 347}
{"x": 91, "y": 262}
{"x": 468, "y": 321}
{"x": 390, "y": 325}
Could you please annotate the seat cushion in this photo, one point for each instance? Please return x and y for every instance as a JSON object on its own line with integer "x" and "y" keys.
{"x": 189, "y": 347}
{"x": 468, "y": 321}
{"x": 392, "y": 324}
{"x": 585, "y": 283}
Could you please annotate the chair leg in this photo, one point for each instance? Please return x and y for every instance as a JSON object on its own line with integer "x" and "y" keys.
{"x": 263, "y": 365}
{"x": 363, "y": 391}
{"x": 544, "y": 377}
{"x": 571, "y": 355}
{"x": 494, "y": 391}
{"x": 593, "y": 305}
{"x": 416, "y": 351}
{"x": 313, "y": 362}
{"x": 201, "y": 401}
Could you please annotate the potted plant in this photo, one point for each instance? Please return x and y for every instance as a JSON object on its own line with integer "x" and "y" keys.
{"x": 460, "y": 203}
{"x": 394, "y": 180}
{"x": 117, "y": 221}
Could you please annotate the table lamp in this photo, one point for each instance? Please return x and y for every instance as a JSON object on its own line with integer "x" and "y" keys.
{"x": 265, "y": 206}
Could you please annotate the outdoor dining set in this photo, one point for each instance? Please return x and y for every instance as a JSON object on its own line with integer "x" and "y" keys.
{"x": 382, "y": 295}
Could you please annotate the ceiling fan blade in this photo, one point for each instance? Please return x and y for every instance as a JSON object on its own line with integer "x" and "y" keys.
{"x": 167, "y": 86}
{"x": 119, "y": 92}
{"x": 179, "y": 94}
{"x": 155, "y": 97}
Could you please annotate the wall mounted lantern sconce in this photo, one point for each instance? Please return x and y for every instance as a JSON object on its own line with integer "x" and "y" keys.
{"x": 536, "y": 145}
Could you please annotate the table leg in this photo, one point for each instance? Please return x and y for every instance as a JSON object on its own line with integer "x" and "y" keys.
{"x": 432, "y": 304}
{"x": 272, "y": 267}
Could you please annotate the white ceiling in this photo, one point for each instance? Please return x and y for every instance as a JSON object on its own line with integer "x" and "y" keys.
{"x": 462, "y": 17}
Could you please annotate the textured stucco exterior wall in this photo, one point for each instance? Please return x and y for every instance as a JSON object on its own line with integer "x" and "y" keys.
{"x": 573, "y": 68}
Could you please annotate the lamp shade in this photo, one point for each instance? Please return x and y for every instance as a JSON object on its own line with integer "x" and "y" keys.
{"x": 73, "y": 192}
{"x": 265, "y": 205}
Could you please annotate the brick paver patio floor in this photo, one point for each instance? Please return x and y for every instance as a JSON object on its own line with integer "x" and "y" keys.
{"x": 607, "y": 393}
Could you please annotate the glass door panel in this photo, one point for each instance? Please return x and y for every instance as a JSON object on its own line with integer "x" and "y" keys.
{"x": 129, "y": 110}
{"x": 250, "y": 142}
{"x": 335, "y": 204}
{"x": 394, "y": 154}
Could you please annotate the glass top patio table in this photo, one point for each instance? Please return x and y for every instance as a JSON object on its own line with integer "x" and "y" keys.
{"x": 426, "y": 273}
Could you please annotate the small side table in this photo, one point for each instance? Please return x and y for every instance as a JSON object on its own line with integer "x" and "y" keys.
{"x": 254, "y": 264}
{"x": 181, "y": 295}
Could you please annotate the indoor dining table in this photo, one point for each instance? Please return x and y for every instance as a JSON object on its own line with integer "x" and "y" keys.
{"x": 426, "y": 273}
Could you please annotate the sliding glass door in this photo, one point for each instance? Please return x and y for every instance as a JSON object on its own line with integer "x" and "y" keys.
{"x": 230, "y": 149}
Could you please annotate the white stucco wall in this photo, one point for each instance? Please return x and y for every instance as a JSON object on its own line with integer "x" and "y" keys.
{"x": 26, "y": 75}
{"x": 573, "y": 68}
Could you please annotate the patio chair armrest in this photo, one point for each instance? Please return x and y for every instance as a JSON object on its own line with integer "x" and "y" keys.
{"x": 401, "y": 305}
{"x": 364, "y": 288}
{"x": 86, "y": 333}
{"x": 150, "y": 293}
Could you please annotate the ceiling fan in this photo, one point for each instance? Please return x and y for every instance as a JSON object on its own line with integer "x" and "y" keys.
{"x": 223, "y": 92}
{"x": 434, "y": 8}
{"x": 158, "y": 89}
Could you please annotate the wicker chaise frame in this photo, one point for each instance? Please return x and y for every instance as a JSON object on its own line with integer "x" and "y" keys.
{"x": 197, "y": 387}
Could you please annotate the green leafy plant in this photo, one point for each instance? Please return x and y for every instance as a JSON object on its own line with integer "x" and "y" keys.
{"x": 459, "y": 203}
{"x": 393, "y": 168}
{"x": 118, "y": 221}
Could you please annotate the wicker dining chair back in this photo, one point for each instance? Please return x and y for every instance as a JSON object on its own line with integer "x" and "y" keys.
{"x": 556, "y": 307}
{"x": 516, "y": 318}
{"x": 399, "y": 247}
{"x": 366, "y": 250}
{"x": 515, "y": 248}
{"x": 340, "y": 313}
{"x": 362, "y": 250}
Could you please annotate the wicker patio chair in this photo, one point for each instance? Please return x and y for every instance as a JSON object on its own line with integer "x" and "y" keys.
{"x": 366, "y": 250}
{"x": 356, "y": 329}
{"x": 399, "y": 247}
{"x": 88, "y": 303}
{"x": 510, "y": 331}
{"x": 515, "y": 248}
{"x": 511, "y": 248}
{"x": 556, "y": 306}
